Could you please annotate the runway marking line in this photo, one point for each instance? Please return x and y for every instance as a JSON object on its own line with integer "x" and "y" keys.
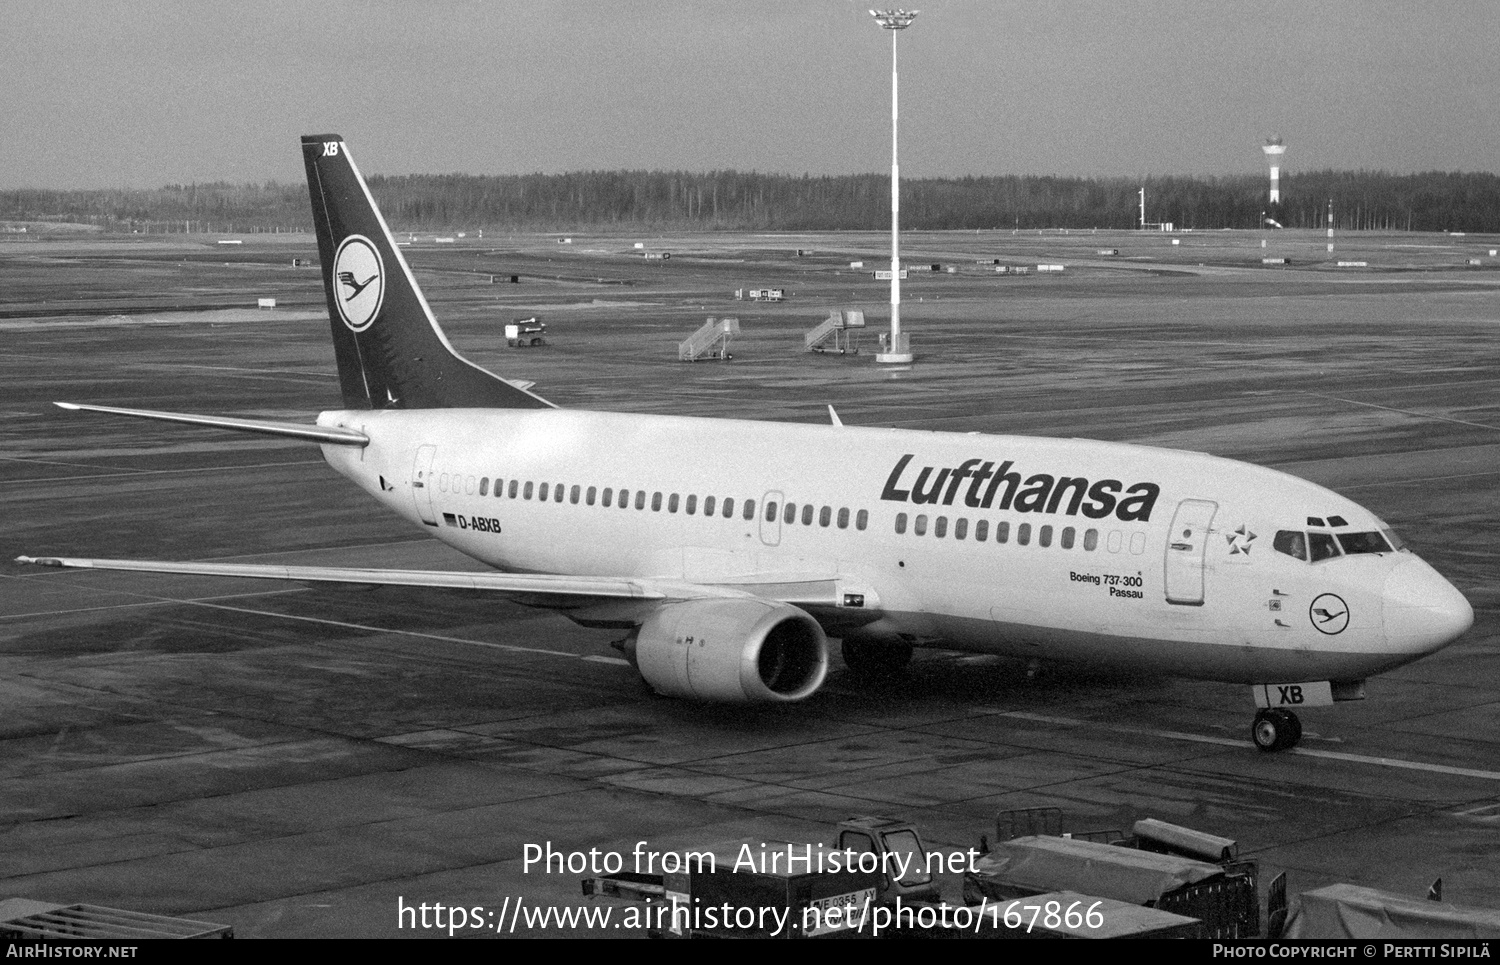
{"x": 1226, "y": 742}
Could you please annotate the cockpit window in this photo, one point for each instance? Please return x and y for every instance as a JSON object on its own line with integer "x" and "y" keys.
{"x": 1322, "y": 546}
{"x": 1363, "y": 543}
{"x": 1291, "y": 542}
{"x": 1393, "y": 539}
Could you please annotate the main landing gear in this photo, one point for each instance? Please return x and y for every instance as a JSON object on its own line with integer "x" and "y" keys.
{"x": 1275, "y": 729}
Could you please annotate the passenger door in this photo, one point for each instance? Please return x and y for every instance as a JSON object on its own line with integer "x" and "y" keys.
{"x": 421, "y": 483}
{"x": 1187, "y": 542}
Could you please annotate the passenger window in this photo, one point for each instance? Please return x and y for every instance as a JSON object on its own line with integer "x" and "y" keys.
{"x": 526, "y": 492}
{"x": 559, "y": 491}
{"x": 862, "y": 519}
{"x": 541, "y": 493}
{"x": 843, "y": 517}
{"x": 825, "y": 516}
{"x": 1044, "y": 536}
{"x": 1067, "y": 537}
{"x": 770, "y": 510}
{"x": 940, "y": 527}
{"x": 692, "y": 506}
{"x": 708, "y": 506}
{"x": 672, "y": 503}
{"x": 1137, "y": 543}
{"x": 468, "y": 485}
{"x": 807, "y": 514}
{"x": 981, "y": 531}
{"x": 749, "y": 512}
{"x": 900, "y": 523}
{"x": 484, "y": 486}
{"x": 789, "y": 513}
{"x": 573, "y": 496}
{"x": 1321, "y": 546}
{"x": 921, "y": 527}
{"x": 1002, "y": 532}
{"x": 499, "y": 489}
{"x": 1023, "y": 534}
{"x": 1291, "y": 542}
{"x": 443, "y": 482}
{"x": 608, "y": 498}
{"x": 640, "y": 498}
{"x": 589, "y": 496}
{"x": 513, "y": 485}
{"x": 1091, "y": 540}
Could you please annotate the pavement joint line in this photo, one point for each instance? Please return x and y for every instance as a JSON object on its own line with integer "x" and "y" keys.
{"x": 1389, "y": 408}
{"x": 129, "y": 606}
{"x": 1302, "y": 751}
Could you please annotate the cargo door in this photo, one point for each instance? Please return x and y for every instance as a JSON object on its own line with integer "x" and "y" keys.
{"x": 421, "y": 483}
{"x": 1187, "y": 542}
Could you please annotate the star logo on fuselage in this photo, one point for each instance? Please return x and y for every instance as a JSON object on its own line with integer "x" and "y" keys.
{"x": 1239, "y": 541}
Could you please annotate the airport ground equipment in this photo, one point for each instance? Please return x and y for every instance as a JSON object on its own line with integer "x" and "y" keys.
{"x": 1348, "y": 911}
{"x": 833, "y": 333}
{"x": 526, "y": 333}
{"x": 888, "y": 837}
{"x": 1157, "y": 868}
{"x": 780, "y": 890}
{"x": 711, "y": 341}
{"x": 22, "y": 919}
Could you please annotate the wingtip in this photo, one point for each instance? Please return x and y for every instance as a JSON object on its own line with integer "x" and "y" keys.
{"x": 70, "y": 406}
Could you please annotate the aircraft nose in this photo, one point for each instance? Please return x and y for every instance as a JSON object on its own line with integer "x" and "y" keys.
{"x": 1423, "y": 611}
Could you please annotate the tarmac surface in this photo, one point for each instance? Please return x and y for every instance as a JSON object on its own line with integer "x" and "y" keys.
{"x": 303, "y": 763}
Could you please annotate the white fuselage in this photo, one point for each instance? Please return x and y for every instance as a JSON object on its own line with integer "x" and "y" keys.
{"x": 1112, "y": 553}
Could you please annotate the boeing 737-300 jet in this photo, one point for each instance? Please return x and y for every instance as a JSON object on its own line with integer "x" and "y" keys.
{"x": 728, "y": 552}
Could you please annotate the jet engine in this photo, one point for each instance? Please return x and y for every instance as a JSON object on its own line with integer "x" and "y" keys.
{"x": 736, "y": 651}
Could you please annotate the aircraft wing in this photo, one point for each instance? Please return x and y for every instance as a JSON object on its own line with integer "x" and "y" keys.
{"x": 815, "y": 591}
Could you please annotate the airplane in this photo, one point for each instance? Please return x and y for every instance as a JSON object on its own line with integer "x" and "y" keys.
{"x": 728, "y": 552}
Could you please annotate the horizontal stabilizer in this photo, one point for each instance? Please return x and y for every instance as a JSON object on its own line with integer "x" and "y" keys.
{"x": 334, "y": 435}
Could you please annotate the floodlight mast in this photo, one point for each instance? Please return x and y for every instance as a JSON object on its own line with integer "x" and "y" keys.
{"x": 898, "y": 349}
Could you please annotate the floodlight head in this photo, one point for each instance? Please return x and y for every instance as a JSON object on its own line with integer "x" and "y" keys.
{"x": 894, "y": 19}
{"x": 1274, "y": 146}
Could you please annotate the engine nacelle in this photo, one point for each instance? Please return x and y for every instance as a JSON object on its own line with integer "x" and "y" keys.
{"x": 733, "y": 651}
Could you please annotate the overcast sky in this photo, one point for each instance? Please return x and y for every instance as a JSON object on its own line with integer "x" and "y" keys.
{"x": 141, "y": 93}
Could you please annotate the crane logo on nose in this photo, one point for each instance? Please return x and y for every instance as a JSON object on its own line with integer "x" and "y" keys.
{"x": 1329, "y": 614}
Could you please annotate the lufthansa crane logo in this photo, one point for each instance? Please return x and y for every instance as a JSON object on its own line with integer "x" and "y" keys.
{"x": 358, "y": 282}
{"x": 1329, "y": 614}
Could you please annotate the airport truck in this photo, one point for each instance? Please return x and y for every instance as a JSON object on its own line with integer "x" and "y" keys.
{"x": 526, "y": 333}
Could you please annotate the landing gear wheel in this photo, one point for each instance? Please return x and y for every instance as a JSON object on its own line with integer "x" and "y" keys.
{"x": 1275, "y": 730}
{"x": 876, "y": 659}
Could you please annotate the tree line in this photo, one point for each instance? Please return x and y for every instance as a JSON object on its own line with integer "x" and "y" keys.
{"x": 750, "y": 201}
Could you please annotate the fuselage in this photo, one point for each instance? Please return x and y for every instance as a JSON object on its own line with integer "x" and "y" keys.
{"x": 1175, "y": 561}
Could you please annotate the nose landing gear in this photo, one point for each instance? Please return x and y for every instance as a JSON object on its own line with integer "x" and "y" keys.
{"x": 1275, "y": 729}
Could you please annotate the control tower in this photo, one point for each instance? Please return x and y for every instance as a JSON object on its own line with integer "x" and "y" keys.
{"x": 1274, "y": 149}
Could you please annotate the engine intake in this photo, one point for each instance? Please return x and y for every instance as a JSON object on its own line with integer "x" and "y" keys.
{"x": 732, "y": 651}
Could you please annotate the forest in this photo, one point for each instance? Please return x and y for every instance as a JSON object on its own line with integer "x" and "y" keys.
{"x": 750, "y": 201}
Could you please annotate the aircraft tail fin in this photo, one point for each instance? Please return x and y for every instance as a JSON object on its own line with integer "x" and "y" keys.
{"x": 391, "y": 353}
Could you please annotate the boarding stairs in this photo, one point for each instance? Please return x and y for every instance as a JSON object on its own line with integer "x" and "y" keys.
{"x": 709, "y": 342}
{"x": 833, "y": 333}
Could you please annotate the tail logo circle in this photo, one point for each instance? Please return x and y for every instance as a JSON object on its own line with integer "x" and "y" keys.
{"x": 358, "y": 282}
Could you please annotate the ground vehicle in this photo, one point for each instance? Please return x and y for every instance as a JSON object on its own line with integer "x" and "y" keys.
{"x": 526, "y": 333}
